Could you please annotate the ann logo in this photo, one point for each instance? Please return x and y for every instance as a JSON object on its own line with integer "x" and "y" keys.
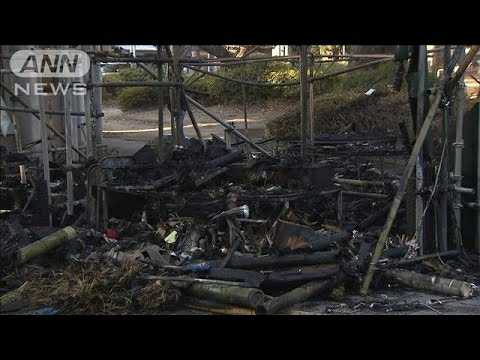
{"x": 50, "y": 63}
{"x": 57, "y": 65}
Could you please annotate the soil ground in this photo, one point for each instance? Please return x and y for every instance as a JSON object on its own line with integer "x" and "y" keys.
{"x": 130, "y": 130}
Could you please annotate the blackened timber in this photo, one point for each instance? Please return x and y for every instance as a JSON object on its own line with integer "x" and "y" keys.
{"x": 295, "y": 296}
{"x": 226, "y": 159}
{"x": 251, "y": 262}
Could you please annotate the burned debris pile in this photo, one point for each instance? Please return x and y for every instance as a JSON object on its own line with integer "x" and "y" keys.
{"x": 214, "y": 229}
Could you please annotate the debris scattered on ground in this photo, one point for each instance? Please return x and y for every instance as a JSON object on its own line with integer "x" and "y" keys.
{"x": 217, "y": 230}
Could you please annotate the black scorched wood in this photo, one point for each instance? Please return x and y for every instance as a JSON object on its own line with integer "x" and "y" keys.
{"x": 296, "y": 296}
{"x": 234, "y": 156}
{"x": 252, "y": 262}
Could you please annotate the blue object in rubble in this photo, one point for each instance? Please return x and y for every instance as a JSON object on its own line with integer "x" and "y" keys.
{"x": 200, "y": 267}
{"x": 44, "y": 311}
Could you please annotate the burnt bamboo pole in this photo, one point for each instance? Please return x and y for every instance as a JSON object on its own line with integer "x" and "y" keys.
{"x": 401, "y": 191}
{"x": 411, "y": 163}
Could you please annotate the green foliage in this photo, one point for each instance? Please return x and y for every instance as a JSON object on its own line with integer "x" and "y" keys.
{"x": 131, "y": 97}
{"x": 224, "y": 92}
{"x": 137, "y": 97}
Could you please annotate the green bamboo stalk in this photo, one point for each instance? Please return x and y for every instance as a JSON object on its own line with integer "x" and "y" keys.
{"x": 46, "y": 244}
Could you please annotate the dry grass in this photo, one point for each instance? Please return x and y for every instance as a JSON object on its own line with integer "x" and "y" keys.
{"x": 336, "y": 111}
{"x": 93, "y": 289}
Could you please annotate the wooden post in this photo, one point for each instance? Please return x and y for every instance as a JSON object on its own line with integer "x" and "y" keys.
{"x": 68, "y": 149}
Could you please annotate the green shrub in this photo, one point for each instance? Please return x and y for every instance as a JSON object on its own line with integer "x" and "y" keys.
{"x": 223, "y": 92}
{"x": 110, "y": 94}
{"x": 137, "y": 97}
{"x": 131, "y": 97}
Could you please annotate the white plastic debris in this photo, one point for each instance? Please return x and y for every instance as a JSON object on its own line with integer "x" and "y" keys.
{"x": 171, "y": 238}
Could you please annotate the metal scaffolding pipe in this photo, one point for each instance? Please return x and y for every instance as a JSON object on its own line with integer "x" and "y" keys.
{"x": 227, "y": 126}
{"x": 58, "y": 113}
{"x": 37, "y": 116}
{"x": 443, "y": 86}
{"x": 135, "y": 84}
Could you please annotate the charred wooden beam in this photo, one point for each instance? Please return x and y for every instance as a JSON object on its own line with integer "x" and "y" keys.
{"x": 259, "y": 262}
{"x": 297, "y": 295}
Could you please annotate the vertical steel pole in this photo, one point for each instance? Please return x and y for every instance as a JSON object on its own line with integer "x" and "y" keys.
{"x": 18, "y": 142}
{"x": 477, "y": 240}
{"x": 311, "y": 103}
{"x": 68, "y": 149}
{"x": 97, "y": 102}
{"x": 443, "y": 217}
{"x": 458, "y": 145}
{"x": 45, "y": 157}
{"x": 161, "y": 104}
{"x": 303, "y": 96}
{"x": 312, "y": 115}
{"x": 244, "y": 96}
{"x": 419, "y": 170}
{"x": 89, "y": 123}
{"x": 176, "y": 53}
